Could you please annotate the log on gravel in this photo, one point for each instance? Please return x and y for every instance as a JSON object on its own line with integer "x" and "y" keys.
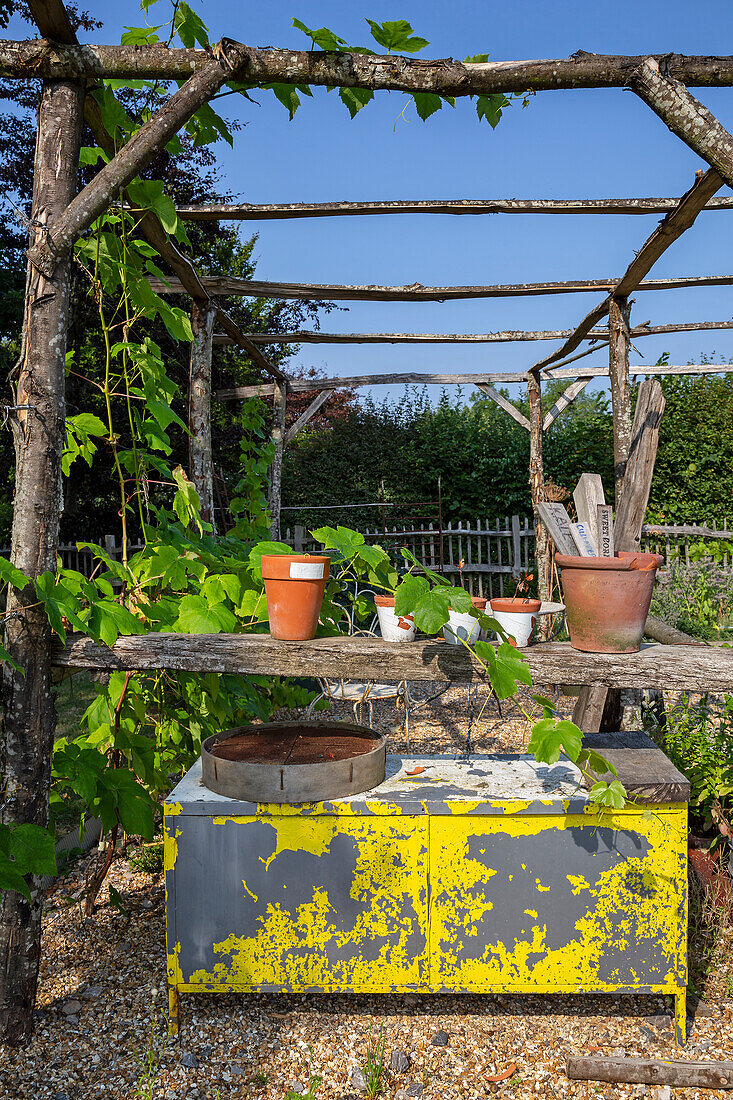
{"x": 651, "y": 1071}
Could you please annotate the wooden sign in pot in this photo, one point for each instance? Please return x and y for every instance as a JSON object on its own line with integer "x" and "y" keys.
{"x": 517, "y": 616}
{"x": 394, "y": 628}
{"x": 294, "y": 587}
{"x": 607, "y": 599}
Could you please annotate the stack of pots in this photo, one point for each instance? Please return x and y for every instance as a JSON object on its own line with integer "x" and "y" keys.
{"x": 607, "y": 599}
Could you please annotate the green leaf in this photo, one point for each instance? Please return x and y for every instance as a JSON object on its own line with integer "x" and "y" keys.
{"x": 489, "y": 107}
{"x": 139, "y": 36}
{"x": 32, "y": 848}
{"x": 9, "y": 574}
{"x": 11, "y": 879}
{"x": 196, "y": 617}
{"x": 90, "y": 155}
{"x": 593, "y": 761}
{"x": 395, "y": 35}
{"x": 551, "y": 736}
{"x": 408, "y": 594}
{"x": 506, "y": 667}
{"x": 476, "y": 59}
{"x": 427, "y": 103}
{"x": 191, "y": 29}
{"x": 255, "y": 557}
{"x": 348, "y": 543}
{"x": 149, "y": 195}
{"x": 323, "y": 37}
{"x": 613, "y": 795}
{"x": 355, "y": 99}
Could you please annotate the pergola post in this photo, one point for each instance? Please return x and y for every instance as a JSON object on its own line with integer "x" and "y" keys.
{"x": 543, "y": 552}
{"x": 277, "y": 435}
{"x": 29, "y": 714}
{"x": 618, "y": 368}
{"x": 200, "y": 463}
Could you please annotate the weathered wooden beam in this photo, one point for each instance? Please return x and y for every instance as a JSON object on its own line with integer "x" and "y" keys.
{"x": 277, "y": 436}
{"x": 246, "y": 211}
{"x": 114, "y": 176}
{"x": 304, "y": 417}
{"x": 651, "y": 1071}
{"x": 505, "y": 404}
{"x": 619, "y": 340}
{"x": 38, "y": 421}
{"x": 564, "y": 401}
{"x": 542, "y": 546}
{"x": 637, "y": 480}
{"x": 305, "y": 385}
{"x": 38, "y": 59}
{"x": 646, "y": 773}
{"x": 200, "y": 461}
{"x": 676, "y": 668}
{"x": 685, "y": 116}
{"x": 667, "y": 232}
{"x": 230, "y": 286}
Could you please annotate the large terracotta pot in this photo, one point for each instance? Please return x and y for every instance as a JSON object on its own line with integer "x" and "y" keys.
{"x": 607, "y": 599}
{"x": 294, "y": 587}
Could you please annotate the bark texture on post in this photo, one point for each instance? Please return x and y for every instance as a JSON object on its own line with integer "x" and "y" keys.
{"x": 543, "y": 552}
{"x": 29, "y": 715}
{"x": 200, "y": 462}
{"x": 280, "y": 399}
{"x": 618, "y": 369}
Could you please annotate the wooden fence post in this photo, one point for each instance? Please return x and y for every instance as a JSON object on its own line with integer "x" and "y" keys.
{"x": 29, "y": 715}
{"x": 543, "y": 552}
{"x": 280, "y": 400}
{"x": 200, "y": 463}
{"x": 618, "y": 369}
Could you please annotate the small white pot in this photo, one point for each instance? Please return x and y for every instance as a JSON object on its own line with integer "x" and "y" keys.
{"x": 461, "y": 627}
{"x": 394, "y": 628}
{"x": 517, "y": 624}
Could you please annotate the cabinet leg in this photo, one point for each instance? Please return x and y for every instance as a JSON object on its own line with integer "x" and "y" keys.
{"x": 680, "y": 1016}
{"x": 173, "y": 1010}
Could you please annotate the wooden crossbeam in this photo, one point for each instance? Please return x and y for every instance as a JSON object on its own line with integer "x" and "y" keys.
{"x": 305, "y": 385}
{"x": 304, "y": 417}
{"x": 505, "y": 404}
{"x": 267, "y": 65}
{"x": 228, "y": 286}
{"x": 667, "y": 232}
{"x": 564, "y": 400}
{"x": 246, "y": 211}
{"x": 508, "y": 336}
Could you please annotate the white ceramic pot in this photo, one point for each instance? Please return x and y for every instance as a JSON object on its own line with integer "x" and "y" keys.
{"x": 463, "y": 627}
{"x": 394, "y": 628}
{"x": 517, "y": 624}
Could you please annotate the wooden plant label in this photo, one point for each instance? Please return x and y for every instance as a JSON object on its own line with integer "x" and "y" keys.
{"x": 557, "y": 522}
{"x": 605, "y": 531}
{"x": 585, "y": 544}
{"x": 587, "y": 496}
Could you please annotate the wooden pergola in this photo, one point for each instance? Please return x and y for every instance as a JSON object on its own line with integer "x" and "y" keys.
{"x": 61, "y": 214}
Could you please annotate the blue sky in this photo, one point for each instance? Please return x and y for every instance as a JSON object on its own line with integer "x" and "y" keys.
{"x": 564, "y": 144}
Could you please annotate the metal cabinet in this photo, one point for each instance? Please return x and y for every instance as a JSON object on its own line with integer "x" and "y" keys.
{"x": 477, "y": 874}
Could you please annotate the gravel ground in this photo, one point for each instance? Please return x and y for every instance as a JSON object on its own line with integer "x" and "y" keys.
{"x": 101, "y": 1028}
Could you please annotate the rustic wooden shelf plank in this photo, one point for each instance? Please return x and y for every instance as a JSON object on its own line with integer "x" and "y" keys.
{"x": 675, "y": 668}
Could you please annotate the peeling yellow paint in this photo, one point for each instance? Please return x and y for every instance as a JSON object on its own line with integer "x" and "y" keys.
{"x": 311, "y": 946}
{"x": 172, "y": 809}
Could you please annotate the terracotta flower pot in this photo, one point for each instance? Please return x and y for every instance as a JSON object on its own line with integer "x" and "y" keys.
{"x": 394, "y": 628}
{"x": 294, "y": 587}
{"x": 517, "y": 616}
{"x": 607, "y": 599}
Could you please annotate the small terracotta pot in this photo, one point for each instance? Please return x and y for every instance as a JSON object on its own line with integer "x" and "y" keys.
{"x": 294, "y": 587}
{"x": 517, "y": 616}
{"x": 607, "y": 599}
{"x": 394, "y": 628}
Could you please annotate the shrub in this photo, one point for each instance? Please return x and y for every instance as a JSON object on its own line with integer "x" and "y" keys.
{"x": 696, "y": 598}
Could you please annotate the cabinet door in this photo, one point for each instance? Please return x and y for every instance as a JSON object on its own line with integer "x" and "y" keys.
{"x": 560, "y": 902}
{"x": 299, "y": 902}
